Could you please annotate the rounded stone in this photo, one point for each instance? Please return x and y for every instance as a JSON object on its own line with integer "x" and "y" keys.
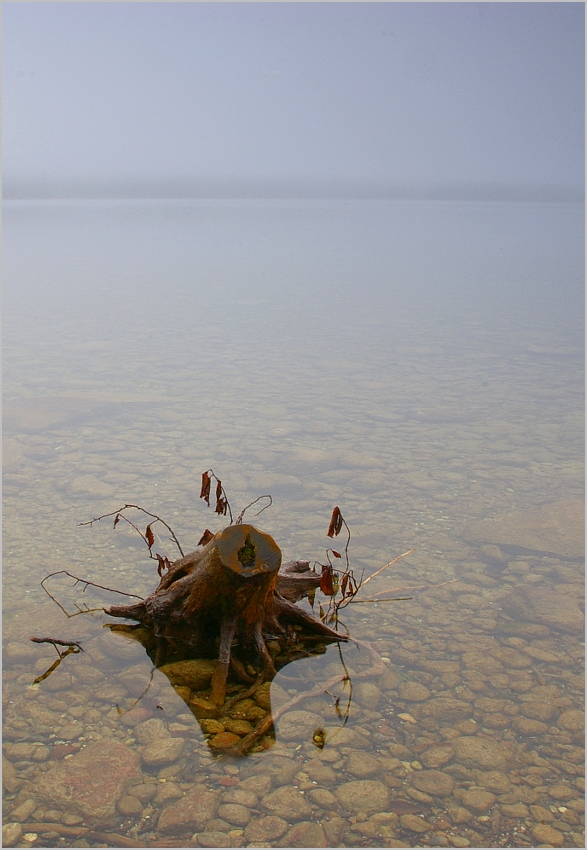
{"x": 437, "y": 756}
{"x": 433, "y": 782}
{"x": 414, "y": 823}
{"x": 484, "y": 753}
{"x": 298, "y": 725}
{"x": 162, "y": 751}
{"x": 413, "y": 692}
{"x": 212, "y": 839}
{"x": 242, "y": 797}
{"x": 268, "y": 828}
{"x": 546, "y": 834}
{"x": 447, "y": 709}
{"x": 367, "y": 695}
{"x": 223, "y": 740}
{"x": 478, "y": 799}
{"x": 239, "y": 727}
{"x": 305, "y": 834}
{"x": 150, "y": 730}
{"x": 11, "y": 834}
{"x": 129, "y": 805}
{"x": 362, "y": 764}
{"x": 288, "y": 803}
{"x": 572, "y": 720}
{"x": 234, "y": 813}
{"x": 364, "y": 795}
{"x": 543, "y": 711}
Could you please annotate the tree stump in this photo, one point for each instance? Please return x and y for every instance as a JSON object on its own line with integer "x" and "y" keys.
{"x": 231, "y": 590}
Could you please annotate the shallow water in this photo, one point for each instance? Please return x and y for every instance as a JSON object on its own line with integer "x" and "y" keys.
{"x": 419, "y": 365}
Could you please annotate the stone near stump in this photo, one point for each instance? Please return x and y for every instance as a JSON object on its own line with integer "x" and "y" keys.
{"x": 268, "y": 828}
{"x": 224, "y": 740}
{"x": 287, "y": 803}
{"x": 484, "y": 753}
{"x": 557, "y": 529}
{"x": 191, "y": 812}
{"x": 298, "y": 725}
{"x": 91, "y": 782}
{"x": 304, "y": 834}
{"x": 364, "y": 795}
{"x": 162, "y": 751}
{"x": 433, "y": 782}
{"x": 193, "y": 673}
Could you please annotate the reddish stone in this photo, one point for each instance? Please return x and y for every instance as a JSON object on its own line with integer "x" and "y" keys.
{"x": 90, "y": 782}
{"x": 191, "y": 812}
{"x": 229, "y": 780}
{"x": 223, "y": 740}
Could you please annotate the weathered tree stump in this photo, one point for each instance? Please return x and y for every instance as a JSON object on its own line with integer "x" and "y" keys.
{"x": 234, "y": 589}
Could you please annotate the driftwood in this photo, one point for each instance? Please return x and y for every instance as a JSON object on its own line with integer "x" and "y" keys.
{"x": 234, "y": 589}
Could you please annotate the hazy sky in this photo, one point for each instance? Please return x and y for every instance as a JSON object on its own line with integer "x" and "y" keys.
{"x": 389, "y": 93}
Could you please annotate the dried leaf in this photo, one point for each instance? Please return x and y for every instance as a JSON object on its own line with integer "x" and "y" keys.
{"x": 150, "y": 536}
{"x": 326, "y": 581}
{"x": 205, "y": 538}
{"x": 345, "y": 581}
{"x": 116, "y": 520}
{"x": 335, "y": 523}
{"x": 160, "y": 564}
{"x": 205, "y": 491}
{"x": 336, "y": 554}
{"x": 221, "y": 507}
{"x": 312, "y": 596}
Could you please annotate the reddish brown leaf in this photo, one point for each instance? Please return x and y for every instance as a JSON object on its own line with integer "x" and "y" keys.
{"x": 116, "y": 520}
{"x": 345, "y": 581}
{"x": 218, "y": 489}
{"x": 205, "y": 491}
{"x": 205, "y": 538}
{"x": 335, "y": 523}
{"x": 326, "y": 581}
{"x": 221, "y": 507}
{"x": 336, "y": 554}
{"x": 150, "y": 536}
{"x": 160, "y": 564}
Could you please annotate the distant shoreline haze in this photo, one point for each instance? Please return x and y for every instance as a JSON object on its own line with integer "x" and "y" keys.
{"x": 303, "y": 189}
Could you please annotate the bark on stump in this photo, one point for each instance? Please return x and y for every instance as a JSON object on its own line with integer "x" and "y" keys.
{"x": 232, "y": 589}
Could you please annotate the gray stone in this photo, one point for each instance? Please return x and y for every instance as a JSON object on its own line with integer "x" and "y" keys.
{"x": 433, "y": 782}
{"x": 150, "y": 730}
{"x": 11, "y": 834}
{"x": 413, "y": 692}
{"x": 162, "y": 751}
{"x": 288, "y": 803}
{"x": 298, "y": 725}
{"x": 367, "y": 695}
{"x": 364, "y": 795}
{"x": 362, "y": 764}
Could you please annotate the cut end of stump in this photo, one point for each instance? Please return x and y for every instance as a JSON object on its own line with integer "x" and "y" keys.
{"x": 248, "y": 551}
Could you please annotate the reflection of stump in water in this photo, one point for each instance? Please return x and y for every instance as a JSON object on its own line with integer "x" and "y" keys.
{"x": 231, "y": 592}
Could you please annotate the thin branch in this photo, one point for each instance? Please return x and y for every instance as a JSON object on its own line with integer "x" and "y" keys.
{"x": 56, "y": 641}
{"x": 119, "y": 514}
{"x": 239, "y": 518}
{"x": 86, "y": 584}
{"x": 395, "y": 560}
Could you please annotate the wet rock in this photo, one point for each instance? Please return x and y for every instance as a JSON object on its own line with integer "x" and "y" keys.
{"x": 203, "y": 708}
{"x": 268, "y": 828}
{"x": 558, "y": 528}
{"x": 433, "y": 782}
{"x": 234, "y": 813}
{"x": 543, "y": 711}
{"x": 323, "y": 798}
{"x": 135, "y": 716}
{"x": 287, "y": 803}
{"x": 413, "y": 692}
{"x": 224, "y": 740}
{"x": 390, "y": 681}
{"x": 364, "y": 795}
{"x": 342, "y": 736}
{"x": 129, "y": 805}
{"x": 298, "y": 725}
{"x": 239, "y": 727}
{"x": 333, "y": 827}
{"x": 213, "y": 839}
{"x": 437, "y": 756}
{"x": 362, "y": 765}
{"x": 556, "y": 607}
{"x": 304, "y": 834}
{"x": 546, "y": 834}
{"x": 90, "y": 782}
{"x": 212, "y": 726}
{"x": 11, "y": 834}
{"x": 541, "y": 814}
{"x": 162, "y": 751}
{"x": 516, "y": 810}
{"x": 271, "y": 695}
{"x": 240, "y": 796}
{"x": 144, "y": 792}
{"x": 193, "y": 673}
{"x": 165, "y": 792}
{"x": 319, "y": 772}
{"x": 260, "y": 785}
{"x": 458, "y": 814}
{"x": 572, "y": 720}
{"x": 478, "y": 799}
{"x": 22, "y": 812}
{"x": 447, "y": 709}
{"x": 367, "y": 695}
{"x": 414, "y": 823}
{"x": 526, "y": 726}
{"x": 493, "y": 780}
{"x": 192, "y": 811}
{"x": 150, "y": 730}
{"x": 484, "y": 753}
{"x": 561, "y": 791}
{"x": 283, "y": 769}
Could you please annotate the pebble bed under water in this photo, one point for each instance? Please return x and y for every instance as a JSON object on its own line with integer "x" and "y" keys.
{"x": 468, "y": 450}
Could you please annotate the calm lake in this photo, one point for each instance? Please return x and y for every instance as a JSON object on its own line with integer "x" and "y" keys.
{"x": 418, "y": 364}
